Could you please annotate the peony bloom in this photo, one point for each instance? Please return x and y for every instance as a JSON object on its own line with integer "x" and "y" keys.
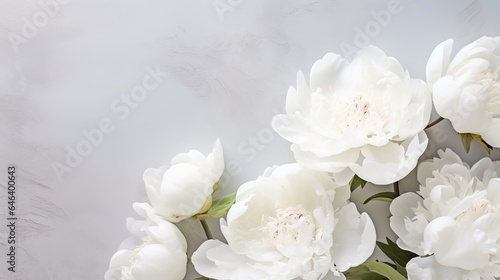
{"x": 155, "y": 251}
{"x": 466, "y": 90}
{"x": 185, "y": 188}
{"x": 291, "y": 222}
{"x": 455, "y": 217}
{"x": 365, "y": 118}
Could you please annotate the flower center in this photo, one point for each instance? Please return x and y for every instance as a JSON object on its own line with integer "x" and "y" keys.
{"x": 363, "y": 113}
{"x": 477, "y": 209}
{"x": 290, "y": 226}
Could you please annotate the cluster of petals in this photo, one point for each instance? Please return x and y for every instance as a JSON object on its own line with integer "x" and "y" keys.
{"x": 157, "y": 249}
{"x": 453, "y": 221}
{"x": 364, "y": 117}
{"x": 466, "y": 89}
{"x": 292, "y": 222}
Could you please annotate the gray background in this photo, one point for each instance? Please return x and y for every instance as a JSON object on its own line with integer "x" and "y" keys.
{"x": 228, "y": 74}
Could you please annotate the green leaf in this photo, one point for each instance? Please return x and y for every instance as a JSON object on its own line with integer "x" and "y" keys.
{"x": 397, "y": 255}
{"x": 483, "y": 144}
{"x": 357, "y": 182}
{"x": 467, "y": 139}
{"x": 202, "y": 278}
{"x": 219, "y": 207}
{"x": 382, "y": 196}
{"x": 401, "y": 270}
{"x": 362, "y": 273}
{"x": 367, "y": 275}
{"x": 384, "y": 270}
{"x": 390, "y": 264}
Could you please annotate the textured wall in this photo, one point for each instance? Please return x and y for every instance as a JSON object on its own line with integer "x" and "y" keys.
{"x": 220, "y": 68}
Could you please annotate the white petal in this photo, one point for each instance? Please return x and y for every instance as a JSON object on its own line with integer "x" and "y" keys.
{"x": 155, "y": 261}
{"x": 120, "y": 258}
{"x": 298, "y": 100}
{"x": 454, "y": 244}
{"x": 154, "y": 176}
{"x": 483, "y": 168}
{"x": 432, "y": 232}
{"x": 325, "y": 71}
{"x": 491, "y": 134}
{"x": 426, "y": 168}
{"x": 205, "y": 266}
{"x": 216, "y": 160}
{"x": 380, "y": 58}
{"x": 169, "y": 235}
{"x": 427, "y": 268}
{"x": 402, "y": 213}
{"x": 481, "y": 48}
{"x": 420, "y": 110}
{"x": 215, "y": 259}
{"x": 292, "y": 128}
{"x": 185, "y": 188}
{"x": 354, "y": 238}
{"x": 391, "y": 162}
{"x": 438, "y": 62}
{"x": 341, "y": 196}
{"x": 333, "y": 163}
{"x": 454, "y": 103}
{"x": 193, "y": 157}
{"x": 343, "y": 177}
{"x": 494, "y": 191}
{"x": 445, "y": 96}
{"x": 298, "y": 130}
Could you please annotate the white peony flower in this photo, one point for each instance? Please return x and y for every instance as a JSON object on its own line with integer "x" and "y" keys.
{"x": 185, "y": 188}
{"x": 365, "y": 118}
{"x": 466, "y": 90}
{"x": 155, "y": 251}
{"x": 455, "y": 217}
{"x": 291, "y": 222}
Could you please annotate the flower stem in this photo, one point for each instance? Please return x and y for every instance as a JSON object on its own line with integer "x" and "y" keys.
{"x": 396, "y": 188}
{"x": 434, "y": 123}
{"x": 206, "y": 229}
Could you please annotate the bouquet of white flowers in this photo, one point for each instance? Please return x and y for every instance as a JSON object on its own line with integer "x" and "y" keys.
{"x": 353, "y": 122}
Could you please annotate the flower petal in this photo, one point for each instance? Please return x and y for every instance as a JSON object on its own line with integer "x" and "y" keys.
{"x": 298, "y": 100}
{"x": 325, "y": 71}
{"x": 426, "y": 168}
{"x": 391, "y": 162}
{"x": 353, "y": 238}
{"x": 438, "y": 62}
{"x": 333, "y": 163}
{"x": 403, "y": 222}
{"x": 215, "y": 259}
{"x": 491, "y": 135}
{"x": 205, "y": 266}
{"x": 427, "y": 268}
{"x": 494, "y": 191}
{"x": 154, "y": 261}
{"x": 216, "y": 160}
{"x": 457, "y": 244}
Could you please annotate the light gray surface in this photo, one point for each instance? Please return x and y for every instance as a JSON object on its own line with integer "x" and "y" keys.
{"x": 228, "y": 74}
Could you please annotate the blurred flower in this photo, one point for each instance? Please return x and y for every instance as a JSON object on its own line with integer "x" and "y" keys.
{"x": 291, "y": 222}
{"x": 467, "y": 90}
{"x": 185, "y": 188}
{"x": 365, "y": 118}
{"x": 455, "y": 217}
{"x": 155, "y": 251}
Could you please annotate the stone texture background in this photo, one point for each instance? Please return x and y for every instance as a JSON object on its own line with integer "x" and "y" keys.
{"x": 229, "y": 65}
